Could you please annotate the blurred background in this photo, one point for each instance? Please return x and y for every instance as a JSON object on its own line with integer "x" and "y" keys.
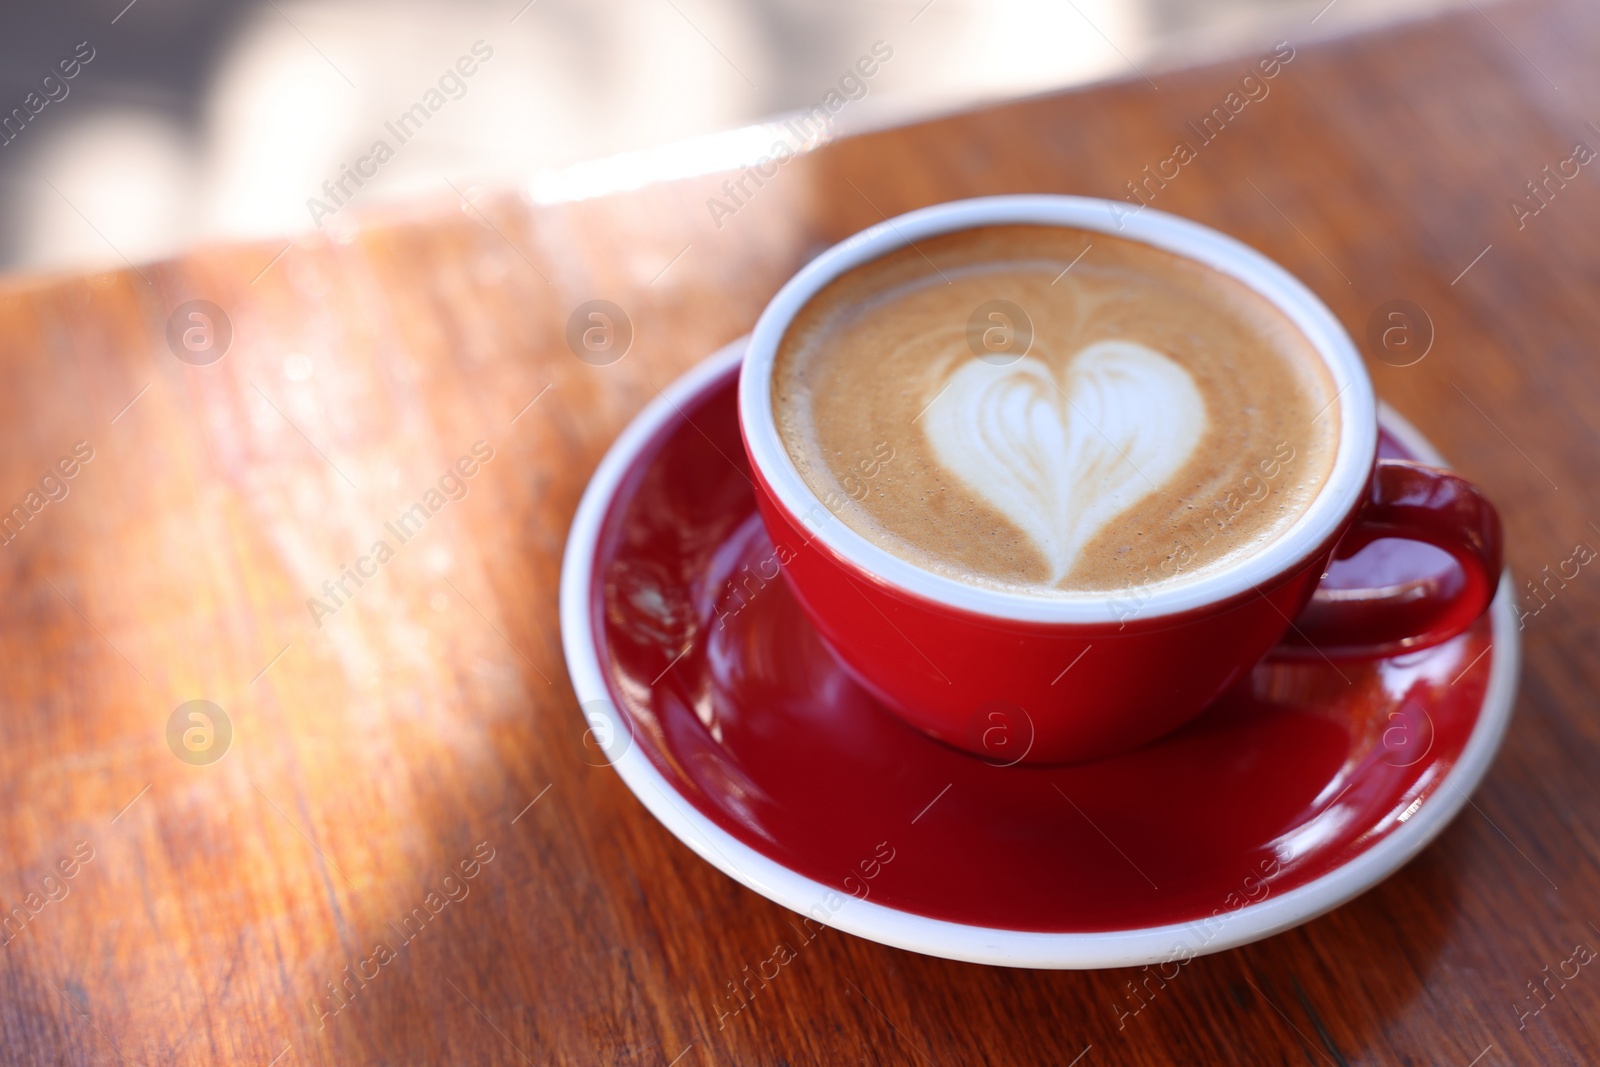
{"x": 195, "y": 120}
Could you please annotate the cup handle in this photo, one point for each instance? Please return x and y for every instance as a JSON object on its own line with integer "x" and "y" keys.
{"x": 1415, "y": 502}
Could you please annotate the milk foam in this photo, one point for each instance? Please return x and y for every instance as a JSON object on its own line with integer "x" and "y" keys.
{"x": 1062, "y": 461}
{"x": 1166, "y": 422}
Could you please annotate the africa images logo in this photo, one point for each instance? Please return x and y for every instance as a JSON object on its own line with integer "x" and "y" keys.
{"x": 452, "y": 85}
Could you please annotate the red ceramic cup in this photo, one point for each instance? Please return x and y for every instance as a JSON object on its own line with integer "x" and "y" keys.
{"x": 1012, "y": 677}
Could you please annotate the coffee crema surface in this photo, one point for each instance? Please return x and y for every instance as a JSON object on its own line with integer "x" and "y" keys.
{"x": 1053, "y": 411}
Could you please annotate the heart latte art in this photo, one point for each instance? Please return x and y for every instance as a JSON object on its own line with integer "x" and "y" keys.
{"x": 1164, "y": 421}
{"x": 1062, "y": 460}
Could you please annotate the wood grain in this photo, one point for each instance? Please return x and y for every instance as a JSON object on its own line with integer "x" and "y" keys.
{"x": 378, "y": 749}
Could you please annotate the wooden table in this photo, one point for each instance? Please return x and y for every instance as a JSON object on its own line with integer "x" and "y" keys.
{"x": 423, "y": 723}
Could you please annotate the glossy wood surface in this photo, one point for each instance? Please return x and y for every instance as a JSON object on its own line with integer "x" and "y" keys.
{"x": 424, "y": 729}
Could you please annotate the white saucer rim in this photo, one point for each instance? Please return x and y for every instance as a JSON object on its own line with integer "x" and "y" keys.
{"x": 979, "y": 944}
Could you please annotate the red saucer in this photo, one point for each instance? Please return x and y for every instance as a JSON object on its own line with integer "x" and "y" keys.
{"x": 722, "y": 709}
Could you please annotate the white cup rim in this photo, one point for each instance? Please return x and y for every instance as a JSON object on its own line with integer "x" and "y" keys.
{"x": 1333, "y": 504}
